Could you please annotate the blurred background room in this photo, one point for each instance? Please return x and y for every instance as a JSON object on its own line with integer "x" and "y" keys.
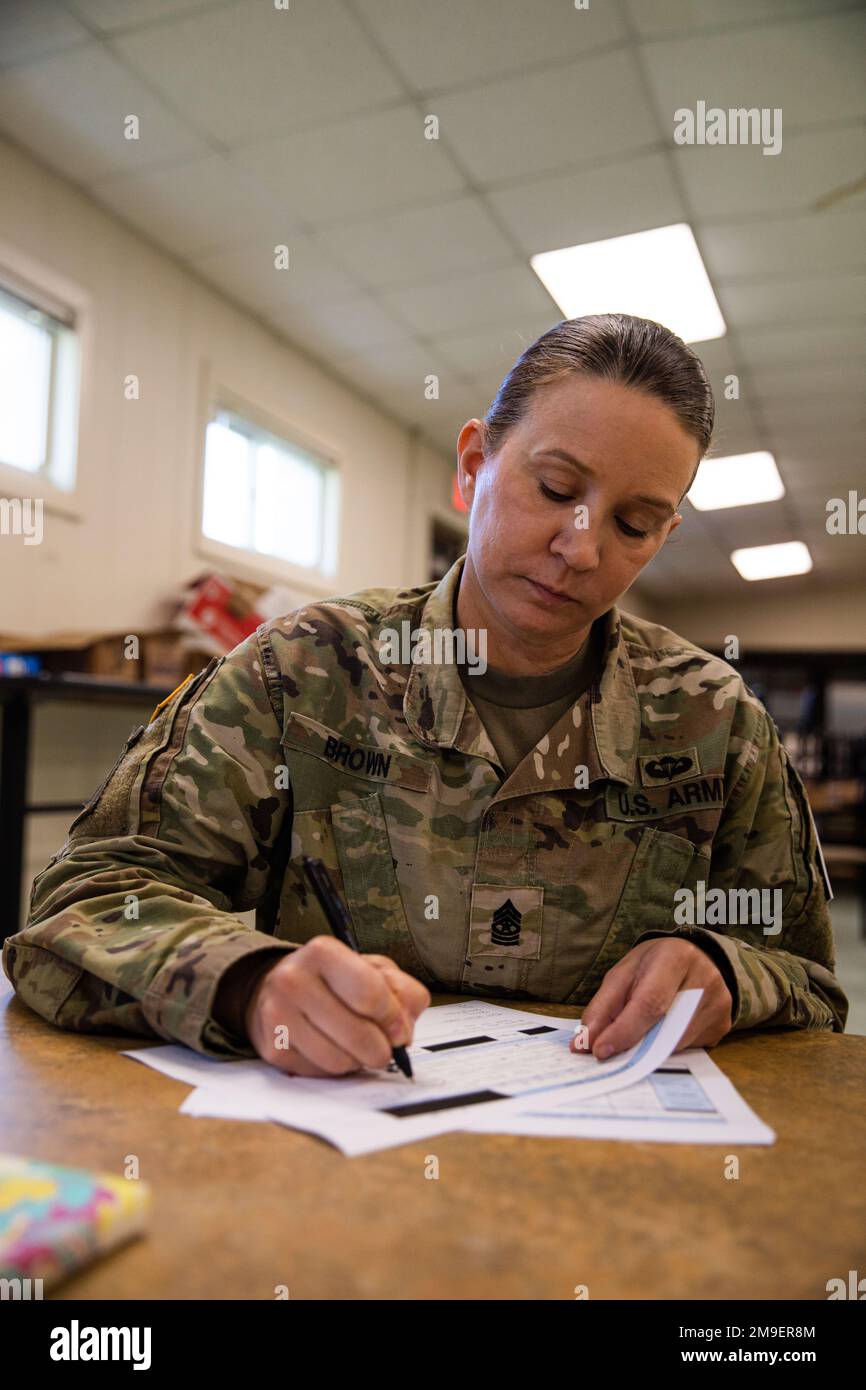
{"x": 260, "y": 262}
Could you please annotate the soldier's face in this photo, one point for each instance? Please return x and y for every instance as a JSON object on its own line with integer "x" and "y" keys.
{"x": 581, "y": 495}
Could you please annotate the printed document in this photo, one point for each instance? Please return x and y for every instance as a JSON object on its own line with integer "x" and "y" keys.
{"x": 479, "y": 1066}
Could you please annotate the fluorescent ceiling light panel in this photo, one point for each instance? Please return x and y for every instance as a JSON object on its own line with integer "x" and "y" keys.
{"x": 772, "y": 561}
{"x": 736, "y": 481}
{"x": 656, "y": 275}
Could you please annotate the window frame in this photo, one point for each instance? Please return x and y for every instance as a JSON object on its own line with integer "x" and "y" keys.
{"x": 63, "y": 300}
{"x": 252, "y": 565}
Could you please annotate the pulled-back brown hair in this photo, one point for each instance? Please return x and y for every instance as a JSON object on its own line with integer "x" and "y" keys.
{"x": 616, "y": 347}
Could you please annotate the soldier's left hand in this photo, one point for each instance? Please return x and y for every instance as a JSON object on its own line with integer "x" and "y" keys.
{"x": 638, "y": 991}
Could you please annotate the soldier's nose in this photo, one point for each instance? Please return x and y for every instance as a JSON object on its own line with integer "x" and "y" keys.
{"x": 580, "y": 552}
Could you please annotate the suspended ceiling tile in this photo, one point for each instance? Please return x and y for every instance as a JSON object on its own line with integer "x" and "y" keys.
{"x": 794, "y": 301}
{"x": 374, "y": 162}
{"x": 547, "y": 121}
{"x": 194, "y": 208}
{"x": 450, "y": 42}
{"x": 245, "y": 70}
{"x": 419, "y": 243}
{"x": 591, "y": 203}
{"x": 772, "y": 346}
{"x": 654, "y": 18}
{"x": 815, "y": 243}
{"x": 734, "y": 181}
{"x": 70, "y": 110}
{"x": 249, "y": 273}
{"x": 29, "y": 31}
{"x": 109, "y": 16}
{"x": 465, "y": 302}
{"x": 405, "y": 368}
{"x": 338, "y": 332}
{"x": 488, "y": 353}
{"x": 819, "y": 79}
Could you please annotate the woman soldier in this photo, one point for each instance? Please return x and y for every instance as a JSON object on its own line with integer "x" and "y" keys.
{"x": 534, "y": 829}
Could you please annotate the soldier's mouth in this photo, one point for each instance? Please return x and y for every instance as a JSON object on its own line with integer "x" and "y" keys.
{"x": 551, "y": 596}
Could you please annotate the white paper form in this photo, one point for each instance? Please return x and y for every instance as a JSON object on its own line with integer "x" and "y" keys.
{"x": 240, "y": 1098}
{"x": 480, "y": 1016}
{"x": 242, "y": 1076}
{"x": 688, "y": 1100}
{"x": 474, "y": 1056}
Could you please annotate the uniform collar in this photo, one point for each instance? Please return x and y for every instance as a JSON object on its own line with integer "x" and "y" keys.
{"x": 434, "y": 701}
{"x": 439, "y": 713}
{"x": 616, "y": 716}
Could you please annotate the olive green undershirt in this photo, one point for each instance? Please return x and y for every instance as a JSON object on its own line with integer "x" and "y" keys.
{"x": 517, "y": 711}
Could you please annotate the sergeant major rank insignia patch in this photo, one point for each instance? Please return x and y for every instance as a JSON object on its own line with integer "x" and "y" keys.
{"x": 505, "y": 925}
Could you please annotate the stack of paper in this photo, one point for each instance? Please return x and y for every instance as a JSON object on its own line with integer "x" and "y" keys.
{"x": 478, "y": 1066}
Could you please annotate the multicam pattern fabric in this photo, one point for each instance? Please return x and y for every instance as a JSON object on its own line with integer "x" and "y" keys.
{"x": 303, "y": 740}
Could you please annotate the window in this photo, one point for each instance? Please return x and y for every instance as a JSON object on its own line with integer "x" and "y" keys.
{"x": 268, "y": 496}
{"x": 38, "y": 391}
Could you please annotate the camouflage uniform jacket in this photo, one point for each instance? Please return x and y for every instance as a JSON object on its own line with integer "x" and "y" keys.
{"x": 303, "y": 740}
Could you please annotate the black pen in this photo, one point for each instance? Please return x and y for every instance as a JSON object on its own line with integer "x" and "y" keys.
{"x": 341, "y": 925}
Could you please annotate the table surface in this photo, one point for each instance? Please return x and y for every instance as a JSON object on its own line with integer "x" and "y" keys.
{"x": 239, "y": 1208}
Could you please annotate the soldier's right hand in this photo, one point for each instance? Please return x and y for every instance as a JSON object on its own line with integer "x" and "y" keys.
{"x": 337, "y": 1010}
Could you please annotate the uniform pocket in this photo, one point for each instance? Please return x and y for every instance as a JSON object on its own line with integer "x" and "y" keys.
{"x": 301, "y": 916}
{"x": 372, "y": 892}
{"x": 352, "y": 840}
{"x": 660, "y": 866}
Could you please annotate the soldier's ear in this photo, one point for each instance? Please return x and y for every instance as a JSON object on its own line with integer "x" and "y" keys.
{"x": 675, "y": 521}
{"x": 470, "y": 455}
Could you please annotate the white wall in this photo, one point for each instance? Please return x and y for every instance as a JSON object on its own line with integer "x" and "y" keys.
{"x": 826, "y": 618}
{"x": 116, "y": 565}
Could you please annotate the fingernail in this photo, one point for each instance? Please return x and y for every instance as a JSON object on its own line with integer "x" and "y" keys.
{"x": 397, "y": 1031}
{"x": 604, "y": 1051}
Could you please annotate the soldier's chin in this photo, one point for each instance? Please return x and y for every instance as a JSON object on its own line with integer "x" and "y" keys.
{"x": 543, "y": 604}
{"x": 559, "y": 619}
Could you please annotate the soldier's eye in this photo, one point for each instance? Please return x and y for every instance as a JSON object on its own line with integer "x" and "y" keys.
{"x": 629, "y": 530}
{"x": 554, "y": 496}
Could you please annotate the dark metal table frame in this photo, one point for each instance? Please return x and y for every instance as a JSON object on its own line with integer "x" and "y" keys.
{"x": 18, "y": 695}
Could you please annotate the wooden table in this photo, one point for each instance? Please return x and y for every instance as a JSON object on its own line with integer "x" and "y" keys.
{"x": 239, "y": 1208}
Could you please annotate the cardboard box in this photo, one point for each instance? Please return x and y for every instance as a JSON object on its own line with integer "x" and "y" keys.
{"x": 85, "y": 653}
{"x": 221, "y": 610}
{"x": 165, "y": 658}
{"x": 108, "y": 657}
